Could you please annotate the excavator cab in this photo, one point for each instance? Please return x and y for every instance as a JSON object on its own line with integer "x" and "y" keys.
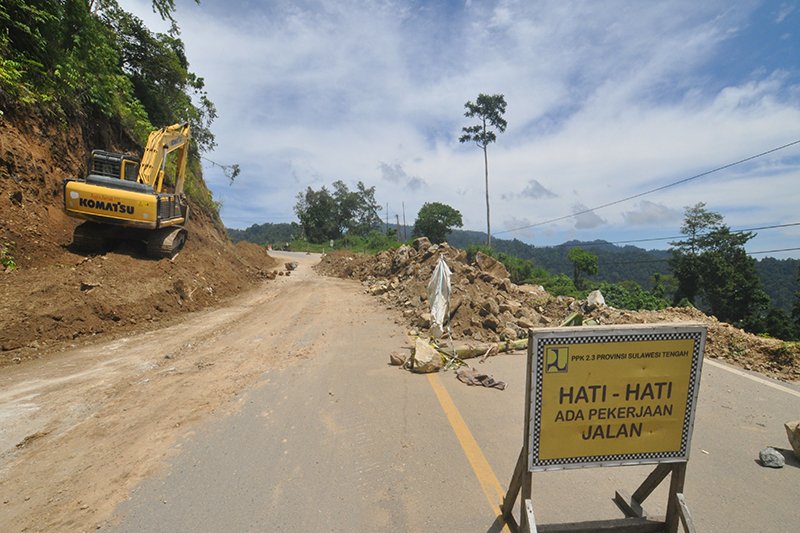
{"x": 113, "y": 165}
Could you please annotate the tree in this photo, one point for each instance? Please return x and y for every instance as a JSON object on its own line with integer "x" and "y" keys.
{"x": 356, "y": 211}
{"x": 778, "y": 324}
{"x": 698, "y": 223}
{"x": 325, "y": 215}
{"x": 714, "y": 270}
{"x": 583, "y": 262}
{"x": 796, "y": 306}
{"x": 316, "y": 211}
{"x": 435, "y": 220}
{"x": 490, "y": 110}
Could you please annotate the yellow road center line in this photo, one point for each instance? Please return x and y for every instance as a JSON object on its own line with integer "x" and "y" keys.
{"x": 483, "y": 471}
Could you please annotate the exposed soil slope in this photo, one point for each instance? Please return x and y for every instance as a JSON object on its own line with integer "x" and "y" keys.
{"x": 486, "y": 306}
{"x": 57, "y": 297}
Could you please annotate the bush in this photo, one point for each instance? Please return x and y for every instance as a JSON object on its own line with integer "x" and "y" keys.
{"x": 629, "y": 295}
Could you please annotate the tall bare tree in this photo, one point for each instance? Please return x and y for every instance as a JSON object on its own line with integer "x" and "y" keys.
{"x": 490, "y": 110}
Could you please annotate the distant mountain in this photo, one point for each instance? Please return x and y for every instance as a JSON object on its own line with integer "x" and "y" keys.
{"x": 615, "y": 263}
{"x": 779, "y": 277}
{"x": 621, "y": 263}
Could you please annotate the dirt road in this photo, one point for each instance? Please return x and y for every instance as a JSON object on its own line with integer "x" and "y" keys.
{"x": 80, "y": 429}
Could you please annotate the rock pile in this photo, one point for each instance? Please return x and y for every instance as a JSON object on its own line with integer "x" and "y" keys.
{"x": 486, "y": 306}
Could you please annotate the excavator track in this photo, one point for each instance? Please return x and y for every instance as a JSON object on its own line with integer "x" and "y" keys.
{"x": 91, "y": 237}
{"x": 166, "y": 242}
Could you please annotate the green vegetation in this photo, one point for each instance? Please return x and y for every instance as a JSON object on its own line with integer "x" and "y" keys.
{"x": 583, "y": 263}
{"x": 372, "y": 243}
{"x": 75, "y": 59}
{"x": 435, "y": 221}
{"x": 328, "y": 216}
{"x": 714, "y": 271}
{"x": 629, "y": 295}
{"x": 6, "y": 259}
{"x": 266, "y": 234}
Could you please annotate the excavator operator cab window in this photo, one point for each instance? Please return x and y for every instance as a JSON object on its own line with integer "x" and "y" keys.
{"x": 113, "y": 165}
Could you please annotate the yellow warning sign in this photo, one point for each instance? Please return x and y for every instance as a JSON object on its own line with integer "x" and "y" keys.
{"x": 612, "y": 395}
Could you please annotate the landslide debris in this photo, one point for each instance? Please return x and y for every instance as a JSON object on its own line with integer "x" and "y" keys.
{"x": 486, "y": 306}
{"x": 56, "y": 297}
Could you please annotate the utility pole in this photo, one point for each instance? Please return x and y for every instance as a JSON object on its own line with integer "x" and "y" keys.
{"x": 387, "y": 218}
{"x": 397, "y": 231}
{"x": 405, "y": 237}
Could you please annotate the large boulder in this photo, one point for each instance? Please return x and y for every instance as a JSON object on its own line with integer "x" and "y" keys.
{"x": 421, "y": 243}
{"x": 490, "y": 265}
{"x": 426, "y": 359}
{"x": 595, "y": 300}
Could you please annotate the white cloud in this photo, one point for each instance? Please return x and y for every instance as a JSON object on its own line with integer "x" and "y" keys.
{"x": 586, "y": 218}
{"x": 607, "y": 99}
{"x": 649, "y": 213}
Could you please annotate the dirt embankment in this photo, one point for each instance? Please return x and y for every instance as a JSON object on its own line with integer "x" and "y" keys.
{"x": 56, "y": 297}
{"x": 486, "y": 306}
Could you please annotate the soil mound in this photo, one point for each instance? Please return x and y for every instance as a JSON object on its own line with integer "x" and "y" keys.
{"x": 56, "y": 297}
{"x": 486, "y": 306}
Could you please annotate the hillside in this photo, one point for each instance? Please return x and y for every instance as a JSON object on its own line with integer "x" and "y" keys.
{"x": 56, "y": 297}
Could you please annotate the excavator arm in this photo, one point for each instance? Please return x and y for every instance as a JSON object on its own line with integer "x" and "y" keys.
{"x": 160, "y": 143}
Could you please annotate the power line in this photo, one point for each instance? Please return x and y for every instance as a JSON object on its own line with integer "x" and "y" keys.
{"x": 639, "y": 195}
{"x": 665, "y": 260}
{"x": 774, "y": 251}
{"x": 651, "y": 239}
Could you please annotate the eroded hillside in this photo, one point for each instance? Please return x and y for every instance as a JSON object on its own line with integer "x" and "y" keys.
{"x": 56, "y": 296}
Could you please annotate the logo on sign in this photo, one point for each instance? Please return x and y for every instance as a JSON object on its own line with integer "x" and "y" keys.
{"x": 556, "y": 360}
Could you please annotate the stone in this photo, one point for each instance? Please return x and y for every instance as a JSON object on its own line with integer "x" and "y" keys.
{"x": 490, "y": 322}
{"x": 489, "y": 308}
{"x": 491, "y": 266}
{"x": 793, "y": 432}
{"x": 291, "y": 265}
{"x": 426, "y": 359}
{"x": 397, "y": 359}
{"x": 87, "y": 286}
{"x": 508, "y": 334}
{"x": 525, "y": 323}
{"x": 771, "y": 457}
{"x": 421, "y": 243}
{"x": 595, "y": 300}
{"x": 423, "y": 321}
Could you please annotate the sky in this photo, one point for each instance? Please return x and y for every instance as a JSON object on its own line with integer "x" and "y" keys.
{"x": 606, "y": 101}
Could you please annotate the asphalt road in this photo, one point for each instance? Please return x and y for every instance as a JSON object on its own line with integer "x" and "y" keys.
{"x": 340, "y": 441}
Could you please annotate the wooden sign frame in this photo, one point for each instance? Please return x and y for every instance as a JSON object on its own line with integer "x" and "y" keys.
{"x": 636, "y": 518}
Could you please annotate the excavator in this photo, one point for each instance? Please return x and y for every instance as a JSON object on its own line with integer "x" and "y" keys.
{"x": 125, "y": 198}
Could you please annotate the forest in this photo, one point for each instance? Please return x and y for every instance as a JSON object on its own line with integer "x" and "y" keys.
{"x": 84, "y": 61}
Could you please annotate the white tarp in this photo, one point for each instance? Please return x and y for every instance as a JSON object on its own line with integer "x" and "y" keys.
{"x": 439, "y": 297}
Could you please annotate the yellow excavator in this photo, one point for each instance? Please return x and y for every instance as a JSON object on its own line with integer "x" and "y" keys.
{"x": 123, "y": 198}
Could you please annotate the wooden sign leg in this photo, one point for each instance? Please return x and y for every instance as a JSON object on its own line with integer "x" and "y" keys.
{"x": 513, "y": 487}
{"x": 525, "y": 496}
{"x": 673, "y": 505}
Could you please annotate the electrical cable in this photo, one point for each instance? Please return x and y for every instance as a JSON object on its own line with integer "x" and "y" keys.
{"x": 639, "y": 195}
{"x": 586, "y": 244}
{"x": 645, "y": 261}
